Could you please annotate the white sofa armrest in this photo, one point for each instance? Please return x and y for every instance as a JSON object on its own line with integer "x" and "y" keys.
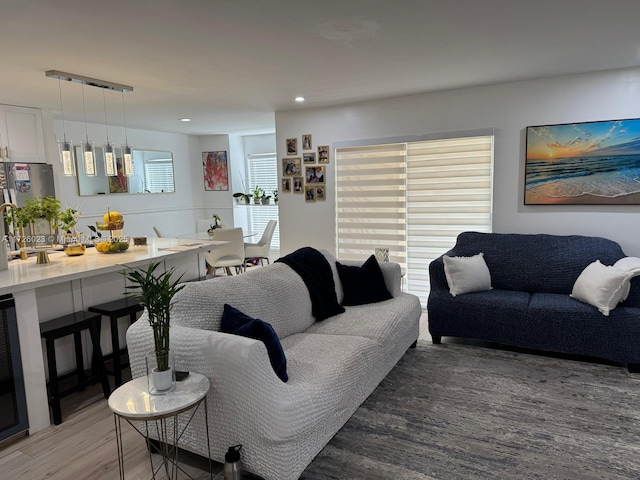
{"x": 237, "y": 367}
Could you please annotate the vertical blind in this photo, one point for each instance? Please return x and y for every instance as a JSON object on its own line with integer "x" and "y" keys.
{"x": 413, "y": 198}
{"x": 262, "y": 171}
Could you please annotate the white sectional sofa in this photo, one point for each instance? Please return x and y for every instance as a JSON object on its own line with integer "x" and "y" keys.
{"x": 333, "y": 365}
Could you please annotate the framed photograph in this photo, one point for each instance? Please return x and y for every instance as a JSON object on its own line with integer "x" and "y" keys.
{"x": 291, "y": 167}
{"x": 323, "y": 154}
{"x": 292, "y": 146}
{"x": 286, "y": 184}
{"x": 309, "y": 194}
{"x": 315, "y": 175}
{"x": 216, "y": 170}
{"x": 588, "y": 163}
{"x": 308, "y": 158}
{"x": 297, "y": 185}
{"x": 321, "y": 193}
{"x": 306, "y": 142}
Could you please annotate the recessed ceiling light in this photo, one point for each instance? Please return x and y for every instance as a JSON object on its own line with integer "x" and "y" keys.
{"x": 299, "y": 99}
{"x": 184, "y": 119}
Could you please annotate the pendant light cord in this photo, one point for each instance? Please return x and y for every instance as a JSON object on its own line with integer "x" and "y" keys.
{"x": 84, "y": 107}
{"x": 106, "y": 124}
{"x": 124, "y": 114}
{"x": 64, "y": 130}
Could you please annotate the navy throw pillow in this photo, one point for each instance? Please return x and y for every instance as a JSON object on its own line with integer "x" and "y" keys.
{"x": 238, "y": 323}
{"x": 363, "y": 284}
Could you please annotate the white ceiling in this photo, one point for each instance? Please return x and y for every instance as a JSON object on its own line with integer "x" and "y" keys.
{"x": 230, "y": 64}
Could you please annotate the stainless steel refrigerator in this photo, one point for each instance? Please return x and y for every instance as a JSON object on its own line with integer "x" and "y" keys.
{"x": 20, "y": 181}
{"x": 26, "y": 180}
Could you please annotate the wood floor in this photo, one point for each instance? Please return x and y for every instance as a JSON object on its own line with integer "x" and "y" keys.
{"x": 84, "y": 445}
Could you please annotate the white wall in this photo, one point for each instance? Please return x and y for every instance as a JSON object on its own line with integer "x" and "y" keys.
{"x": 509, "y": 108}
{"x": 173, "y": 213}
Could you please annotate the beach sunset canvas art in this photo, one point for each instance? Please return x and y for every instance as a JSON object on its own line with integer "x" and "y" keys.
{"x": 586, "y": 163}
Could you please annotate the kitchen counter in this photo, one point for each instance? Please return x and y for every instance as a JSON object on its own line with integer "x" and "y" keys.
{"x": 26, "y": 274}
{"x": 68, "y": 284}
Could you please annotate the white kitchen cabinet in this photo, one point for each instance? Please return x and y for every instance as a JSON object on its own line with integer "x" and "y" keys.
{"x": 21, "y": 135}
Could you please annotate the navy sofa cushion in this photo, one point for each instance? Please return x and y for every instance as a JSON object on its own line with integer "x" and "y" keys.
{"x": 238, "y": 323}
{"x": 363, "y": 284}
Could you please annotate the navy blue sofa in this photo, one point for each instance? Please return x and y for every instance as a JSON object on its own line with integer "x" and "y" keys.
{"x": 529, "y": 305}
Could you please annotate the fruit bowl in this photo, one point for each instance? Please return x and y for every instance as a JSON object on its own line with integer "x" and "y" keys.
{"x": 117, "y": 225}
{"x": 112, "y": 246}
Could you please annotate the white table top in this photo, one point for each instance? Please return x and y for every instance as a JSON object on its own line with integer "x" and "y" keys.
{"x": 134, "y": 402}
{"x": 26, "y": 274}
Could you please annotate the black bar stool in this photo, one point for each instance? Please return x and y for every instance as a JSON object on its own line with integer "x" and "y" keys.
{"x": 115, "y": 310}
{"x": 73, "y": 324}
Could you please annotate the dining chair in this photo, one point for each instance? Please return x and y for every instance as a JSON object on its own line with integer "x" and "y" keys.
{"x": 228, "y": 256}
{"x": 261, "y": 249}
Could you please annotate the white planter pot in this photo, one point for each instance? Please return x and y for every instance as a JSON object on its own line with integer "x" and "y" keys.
{"x": 162, "y": 381}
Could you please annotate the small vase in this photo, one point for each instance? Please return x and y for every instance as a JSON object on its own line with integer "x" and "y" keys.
{"x": 160, "y": 382}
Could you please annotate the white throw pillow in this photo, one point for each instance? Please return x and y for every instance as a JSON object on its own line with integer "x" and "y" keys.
{"x": 601, "y": 286}
{"x": 631, "y": 266}
{"x": 467, "y": 274}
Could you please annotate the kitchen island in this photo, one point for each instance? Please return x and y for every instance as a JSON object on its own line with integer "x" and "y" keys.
{"x": 67, "y": 284}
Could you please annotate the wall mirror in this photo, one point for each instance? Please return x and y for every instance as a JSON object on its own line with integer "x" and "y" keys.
{"x": 152, "y": 173}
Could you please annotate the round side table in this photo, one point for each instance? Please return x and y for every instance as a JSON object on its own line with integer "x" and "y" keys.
{"x": 132, "y": 402}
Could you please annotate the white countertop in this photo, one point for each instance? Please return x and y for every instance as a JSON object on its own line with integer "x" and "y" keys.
{"x": 26, "y": 274}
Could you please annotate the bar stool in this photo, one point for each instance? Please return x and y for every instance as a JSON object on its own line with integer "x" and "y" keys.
{"x": 73, "y": 324}
{"x": 115, "y": 310}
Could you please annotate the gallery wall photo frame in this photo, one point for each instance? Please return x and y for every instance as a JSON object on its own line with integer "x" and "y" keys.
{"x": 291, "y": 167}
{"x": 585, "y": 163}
{"x": 306, "y": 142}
{"x": 309, "y": 157}
{"x": 315, "y": 175}
{"x": 298, "y": 183}
{"x": 292, "y": 146}
{"x": 309, "y": 194}
{"x": 215, "y": 170}
{"x": 323, "y": 154}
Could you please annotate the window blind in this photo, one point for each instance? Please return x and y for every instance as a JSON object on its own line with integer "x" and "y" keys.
{"x": 449, "y": 191}
{"x": 371, "y": 201}
{"x": 262, "y": 170}
{"x": 159, "y": 176}
{"x": 413, "y": 198}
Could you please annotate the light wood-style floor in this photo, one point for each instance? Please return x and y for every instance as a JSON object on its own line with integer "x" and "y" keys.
{"x": 83, "y": 447}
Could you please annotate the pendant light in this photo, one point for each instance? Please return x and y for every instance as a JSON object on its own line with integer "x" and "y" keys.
{"x": 65, "y": 147}
{"x": 127, "y": 152}
{"x": 110, "y": 168}
{"x": 88, "y": 157}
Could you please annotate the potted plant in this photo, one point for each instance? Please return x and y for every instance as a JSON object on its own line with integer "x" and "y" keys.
{"x": 243, "y": 198}
{"x": 19, "y": 218}
{"x": 155, "y": 293}
{"x": 216, "y": 224}
{"x": 257, "y": 194}
{"x": 275, "y": 196}
{"x": 265, "y": 199}
{"x": 67, "y": 222}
